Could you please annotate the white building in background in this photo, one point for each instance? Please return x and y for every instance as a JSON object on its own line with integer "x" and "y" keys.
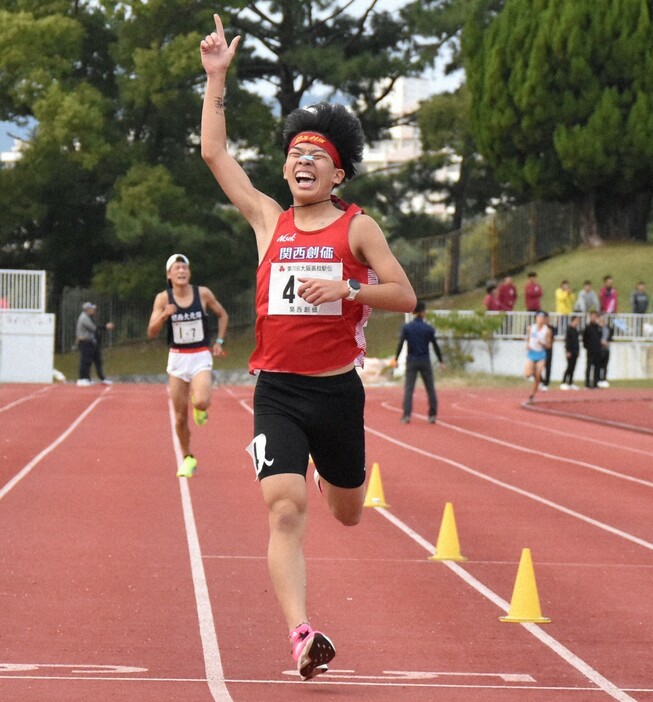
{"x": 404, "y": 142}
{"x": 8, "y": 158}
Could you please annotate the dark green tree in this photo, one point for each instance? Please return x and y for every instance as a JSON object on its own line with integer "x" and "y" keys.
{"x": 563, "y": 105}
{"x": 111, "y": 180}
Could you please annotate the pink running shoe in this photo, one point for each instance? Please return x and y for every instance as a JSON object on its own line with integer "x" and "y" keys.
{"x": 312, "y": 650}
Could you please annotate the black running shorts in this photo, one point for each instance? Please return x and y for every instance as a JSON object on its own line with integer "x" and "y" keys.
{"x": 298, "y": 415}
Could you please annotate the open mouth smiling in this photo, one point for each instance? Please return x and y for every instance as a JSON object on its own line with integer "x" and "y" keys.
{"x": 304, "y": 177}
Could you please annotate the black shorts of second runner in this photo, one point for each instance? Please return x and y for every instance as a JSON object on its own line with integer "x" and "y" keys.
{"x": 295, "y": 415}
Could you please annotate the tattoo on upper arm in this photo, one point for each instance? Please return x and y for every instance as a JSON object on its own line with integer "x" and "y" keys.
{"x": 218, "y": 103}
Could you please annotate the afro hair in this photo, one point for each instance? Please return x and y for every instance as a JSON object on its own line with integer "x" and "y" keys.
{"x": 341, "y": 127}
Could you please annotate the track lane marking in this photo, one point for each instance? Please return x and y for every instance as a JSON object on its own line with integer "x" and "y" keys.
{"x": 208, "y": 634}
{"x": 513, "y": 488}
{"x": 535, "y": 425}
{"x": 568, "y": 656}
{"x": 27, "y": 469}
{"x": 542, "y": 454}
{"x": 25, "y": 398}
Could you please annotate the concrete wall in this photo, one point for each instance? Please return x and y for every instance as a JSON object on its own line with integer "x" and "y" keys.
{"x": 26, "y": 347}
{"x": 628, "y": 360}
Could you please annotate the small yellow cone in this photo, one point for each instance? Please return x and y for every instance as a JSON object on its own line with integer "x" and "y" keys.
{"x": 374, "y": 496}
{"x": 525, "y": 603}
{"x": 448, "y": 546}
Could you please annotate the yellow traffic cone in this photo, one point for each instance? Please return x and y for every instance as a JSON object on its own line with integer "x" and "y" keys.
{"x": 374, "y": 496}
{"x": 448, "y": 546}
{"x": 525, "y": 603}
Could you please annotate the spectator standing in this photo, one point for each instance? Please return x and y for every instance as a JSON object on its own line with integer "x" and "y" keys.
{"x": 491, "y": 300}
{"x": 564, "y": 304}
{"x": 592, "y": 335}
{"x": 608, "y": 296}
{"x": 572, "y": 350}
{"x": 420, "y": 336}
{"x": 607, "y": 332}
{"x": 89, "y": 343}
{"x": 564, "y": 298}
{"x": 639, "y": 304}
{"x": 533, "y": 293}
{"x": 507, "y": 294}
{"x": 587, "y": 300}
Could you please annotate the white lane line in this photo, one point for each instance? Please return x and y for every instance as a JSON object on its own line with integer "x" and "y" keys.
{"x": 27, "y": 469}
{"x": 525, "y": 493}
{"x": 20, "y": 400}
{"x": 543, "y": 454}
{"x": 571, "y": 658}
{"x": 576, "y": 437}
{"x": 208, "y": 635}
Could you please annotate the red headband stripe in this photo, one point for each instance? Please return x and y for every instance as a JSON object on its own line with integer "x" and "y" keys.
{"x": 318, "y": 140}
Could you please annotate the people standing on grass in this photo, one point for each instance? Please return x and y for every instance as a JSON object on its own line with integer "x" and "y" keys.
{"x": 323, "y": 264}
{"x": 608, "y": 296}
{"x": 587, "y": 299}
{"x": 572, "y": 351}
{"x": 182, "y": 308}
{"x": 592, "y": 336}
{"x": 419, "y": 336}
{"x": 491, "y": 300}
{"x": 564, "y": 299}
{"x": 538, "y": 340}
{"x": 89, "y": 342}
{"x": 533, "y": 293}
{"x": 507, "y": 294}
{"x": 639, "y": 304}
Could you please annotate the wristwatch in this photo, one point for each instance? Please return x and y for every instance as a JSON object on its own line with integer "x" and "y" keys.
{"x": 354, "y": 288}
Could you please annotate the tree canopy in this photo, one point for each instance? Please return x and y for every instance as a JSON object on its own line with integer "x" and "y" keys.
{"x": 563, "y": 105}
{"x": 111, "y": 179}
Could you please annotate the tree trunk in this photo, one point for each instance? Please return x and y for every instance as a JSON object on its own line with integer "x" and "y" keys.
{"x": 614, "y": 217}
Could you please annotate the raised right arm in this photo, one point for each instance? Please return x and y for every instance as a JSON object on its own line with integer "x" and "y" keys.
{"x": 258, "y": 209}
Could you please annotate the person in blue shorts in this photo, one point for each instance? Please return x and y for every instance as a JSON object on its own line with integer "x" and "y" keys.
{"x": 538, "y": 340}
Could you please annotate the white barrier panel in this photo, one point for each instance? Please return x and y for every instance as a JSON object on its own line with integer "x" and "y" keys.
{"x": 26, "y": 347}
{"x": 628, "y": 360}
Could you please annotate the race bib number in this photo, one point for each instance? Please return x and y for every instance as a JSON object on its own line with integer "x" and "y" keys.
{"x": 188, "y": 331}
{"x": 284, "y": 283}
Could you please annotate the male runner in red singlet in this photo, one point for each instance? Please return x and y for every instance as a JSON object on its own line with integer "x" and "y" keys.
{"x": 323, "y": 265}
{"x": 182, "y": 308}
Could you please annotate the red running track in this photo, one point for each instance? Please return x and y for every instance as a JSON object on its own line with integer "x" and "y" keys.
{"x": 120, "y": 582}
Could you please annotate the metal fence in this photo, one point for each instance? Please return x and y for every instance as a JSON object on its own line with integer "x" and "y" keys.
{"x": 131, "y": 318}
{"x": 22, "y": 291}
{"x": 498, "y": 244}
{"x": 626, "y": 327}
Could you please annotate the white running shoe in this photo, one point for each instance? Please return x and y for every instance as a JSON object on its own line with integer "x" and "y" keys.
{"x": 564, "y": 386}
{"x": 84, "y": 382}
{"x": 573, "y": 387}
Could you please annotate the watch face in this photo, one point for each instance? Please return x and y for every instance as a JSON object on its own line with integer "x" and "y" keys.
{"x": 354, "y": 284}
